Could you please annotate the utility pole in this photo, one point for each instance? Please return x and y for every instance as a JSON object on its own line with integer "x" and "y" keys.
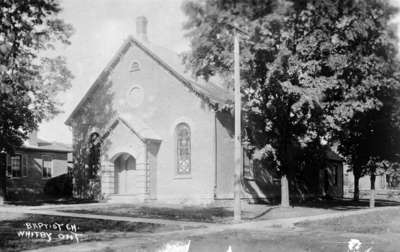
{"x": 237, "y": 209}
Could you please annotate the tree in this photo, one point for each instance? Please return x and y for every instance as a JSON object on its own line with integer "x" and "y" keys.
{"x": 281, "y": 109}
{"x": 361, "y": 102}
{"x": 94, "y": 154}
{"x": 308, "y": 66}
{"x": 94, "y": 165}
{"x": 371, "y": 139}
{"x": 30, "y": 76}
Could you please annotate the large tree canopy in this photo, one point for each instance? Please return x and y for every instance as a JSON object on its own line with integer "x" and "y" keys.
{"x": 309, "y": 67}
{"x": 282, "y": 114}
{"x": 362, "y": 99}
{"x": 30, "y": 75}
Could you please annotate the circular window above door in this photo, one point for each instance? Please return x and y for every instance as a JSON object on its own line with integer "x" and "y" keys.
{"x": 135, "y": 96}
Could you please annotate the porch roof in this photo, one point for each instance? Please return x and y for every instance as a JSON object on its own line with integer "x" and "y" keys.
{"x": 137, "y": 126}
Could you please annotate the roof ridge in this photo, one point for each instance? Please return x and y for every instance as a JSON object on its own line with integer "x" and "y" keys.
{"x": 191, "y": 84}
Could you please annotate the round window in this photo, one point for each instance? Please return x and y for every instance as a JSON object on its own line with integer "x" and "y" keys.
{"x": 135, "y": 96}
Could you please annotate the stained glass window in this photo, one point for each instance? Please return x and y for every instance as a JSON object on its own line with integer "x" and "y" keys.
{"x": 183, "y": 148}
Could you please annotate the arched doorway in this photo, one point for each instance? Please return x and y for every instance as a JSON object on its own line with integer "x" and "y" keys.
{"x": 124, "y": 165}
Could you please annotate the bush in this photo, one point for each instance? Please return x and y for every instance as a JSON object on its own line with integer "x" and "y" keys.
{"x": 60, "y": 187}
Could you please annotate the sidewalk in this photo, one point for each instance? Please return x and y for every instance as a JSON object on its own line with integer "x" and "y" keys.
{"x": 124, "y": 244}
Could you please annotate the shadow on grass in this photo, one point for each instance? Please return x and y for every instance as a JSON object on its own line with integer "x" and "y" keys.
{"x": 263, "y": 213}
{"x": 200, "y": 214}
{"x": 50, "y": 201}
{"x": 225, "y": 214}
{"x": 345, "y": 204}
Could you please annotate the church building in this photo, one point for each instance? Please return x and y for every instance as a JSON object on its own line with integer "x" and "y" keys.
{"x": 162, "y": 135}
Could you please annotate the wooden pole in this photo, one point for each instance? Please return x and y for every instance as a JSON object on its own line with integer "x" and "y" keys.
{"x": 238, "y": 146}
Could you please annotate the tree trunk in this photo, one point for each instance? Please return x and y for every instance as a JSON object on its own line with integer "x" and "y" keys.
{"x": 284, "y": 191}
{"x": 372, "y": 192}
{"x": 3, "y": 180}
{"x": 356, "y": 196}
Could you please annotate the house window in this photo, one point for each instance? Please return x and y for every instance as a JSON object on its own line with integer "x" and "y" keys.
{"x": 24, "y": 166}
{"x": 46, "y": 167}
{"x": 134, "y": 66}
{"x": 334, "y": 174}
{"x": 183, "y": 149}
{"x": 16, "y": 166}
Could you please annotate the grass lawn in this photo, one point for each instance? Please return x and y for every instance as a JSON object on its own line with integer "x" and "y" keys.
{"x": 224, "y": 214}
{"x": 379, "y": 231}
{"x": 380, "y": 222}
{"x": 293, "y": 240}
{"x": 201, "y": 214}
{"x": 89, "y": 230}
{"x": 287, "y": 240}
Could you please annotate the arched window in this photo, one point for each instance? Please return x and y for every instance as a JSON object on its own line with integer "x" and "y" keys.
{"x": 183, "y": 151}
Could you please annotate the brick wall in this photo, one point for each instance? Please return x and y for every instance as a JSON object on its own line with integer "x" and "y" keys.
{"x": 31, "y": 186}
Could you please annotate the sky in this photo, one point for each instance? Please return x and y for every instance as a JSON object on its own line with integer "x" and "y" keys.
{"x": 101, "y": 26}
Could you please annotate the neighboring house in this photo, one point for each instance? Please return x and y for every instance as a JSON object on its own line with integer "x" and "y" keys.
{"x": 33, "y": 167}
{"x": 332, "y": 176}
{"x": 387, "y": 186}
{"x": 162, "y": 135}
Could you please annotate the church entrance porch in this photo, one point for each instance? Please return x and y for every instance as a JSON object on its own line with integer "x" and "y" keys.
{"x": 124, "y": 178}
{"x": 128, "y": 162}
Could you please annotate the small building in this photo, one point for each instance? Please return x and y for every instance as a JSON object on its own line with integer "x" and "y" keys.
{"x": 387, "y": 185}
{"x": 332, "y": 175}
{"x": 163, "y": 136}
{"x": 38, "y": 170}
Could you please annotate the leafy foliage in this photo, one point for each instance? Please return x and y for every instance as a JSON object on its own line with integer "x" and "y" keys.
{"x": 362, "y": 101}
{"x": 282, "y": 114}
{"x": 88, "y": 144}
{"x": 30, "y": 77}
{"x": 312, "y": 70}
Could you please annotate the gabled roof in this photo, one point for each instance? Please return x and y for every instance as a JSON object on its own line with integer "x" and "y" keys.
{"x": 137, "y": 126}
{"x": 170, "y": 61}
{"x": 47, "y": 146}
